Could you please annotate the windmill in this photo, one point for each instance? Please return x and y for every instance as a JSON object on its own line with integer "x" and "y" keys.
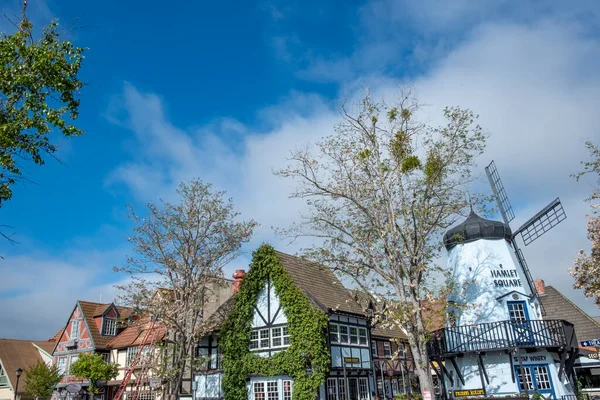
{"x": 546, "y": 219}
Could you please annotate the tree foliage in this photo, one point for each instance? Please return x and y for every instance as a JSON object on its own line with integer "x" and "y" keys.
{"x": 586, "y": 268}
{"x": 307, "y": 359}
{"x": 181, "y": 251}
{"x": 92, "y": 367}
{"x": 381, "y": 191}
{"x": 40, "y": 379}
{"x": 39, "y": 85}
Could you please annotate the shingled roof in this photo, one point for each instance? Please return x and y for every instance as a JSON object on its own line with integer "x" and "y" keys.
{"x": 558, "y": 306}
{"x": 134, "y": 334}
{"x": 23, "y": 354}
{"x": 91, "y": 310}
{"x": 320, "y": 284}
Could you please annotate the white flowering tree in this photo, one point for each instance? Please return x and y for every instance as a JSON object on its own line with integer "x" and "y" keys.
{"x": 586, "y": 268}
{"x": 381, "y": 191}
{"x": 181, "y": 252}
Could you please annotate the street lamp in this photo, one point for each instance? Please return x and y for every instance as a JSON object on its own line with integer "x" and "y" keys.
{"x": 18, "y": 372}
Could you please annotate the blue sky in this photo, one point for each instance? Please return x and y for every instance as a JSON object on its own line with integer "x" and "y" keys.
{"x": 223, "y": 90}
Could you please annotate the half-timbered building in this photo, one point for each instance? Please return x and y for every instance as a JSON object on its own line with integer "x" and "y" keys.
{"x": 349, "y": 338}
{"x": 89, "y": 328}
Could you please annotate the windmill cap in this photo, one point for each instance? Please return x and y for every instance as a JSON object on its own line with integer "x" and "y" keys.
{"x": 474, "y": 228}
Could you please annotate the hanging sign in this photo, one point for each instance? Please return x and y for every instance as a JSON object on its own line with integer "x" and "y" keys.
{"x": 426, "y": 395}
{"x": 469, "y": 392}
{"x": 73, "y": 387}
{"x": 590, "y": 343}
{"x": 154, "y": 383}
{"x": 351, "y": 360}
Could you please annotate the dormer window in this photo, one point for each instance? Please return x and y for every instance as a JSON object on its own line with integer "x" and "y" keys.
{"x": 109, "y": 326}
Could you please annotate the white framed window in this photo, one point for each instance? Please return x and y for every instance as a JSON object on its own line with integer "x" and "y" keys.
{"x": 353, "y": 335}
{"x": 141, "y": 396}
{"x": 109, "y": 326}
{"x": 105, "y": 357}
{"x": 266, "y": 338}
{"x": 333, "y": 333}
{"x": 73, "y": 361}
{"x": 272, "y": 390}
{"x": 348, "y": 334}
{"x": 341, "y": 388}
{"x": 280, "y": 336}
{"x": 343, "y": 333}
{"x": 362, "y": 336}
{"x": 131, "y": 353}
{"x": 287, "y": 390}
{"x": 534, "y": 377}
{"x": 74, "y": 329}
{"x": 401, "y": 350}
{"x": 258, "y": 391}
{"x": 387, "y": 349}
{"x": 541, "y": 377}
{"x": 62, "y": 364}
{"x": 363, "y": 389}
{"x": 374, "y": 348}
{"x": 331, "y": 389}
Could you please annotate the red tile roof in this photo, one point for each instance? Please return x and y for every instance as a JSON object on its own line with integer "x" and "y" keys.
{"x": 90, "y": 310}
{"x": 134, "y": 334}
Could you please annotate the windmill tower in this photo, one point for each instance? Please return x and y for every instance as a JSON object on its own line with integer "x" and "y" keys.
{"x": 495, "y": 341}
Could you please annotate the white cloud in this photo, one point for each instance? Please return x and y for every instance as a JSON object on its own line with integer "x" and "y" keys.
{"x": 533, "y": 86}
{"x": 38, "y": 291}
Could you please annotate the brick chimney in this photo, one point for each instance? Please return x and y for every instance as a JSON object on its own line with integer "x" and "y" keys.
{"x": 238, "y": 277}
{"x": 540, "y": 287}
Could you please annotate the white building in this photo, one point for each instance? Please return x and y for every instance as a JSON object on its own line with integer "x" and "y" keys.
{"x": 495, "y": 341}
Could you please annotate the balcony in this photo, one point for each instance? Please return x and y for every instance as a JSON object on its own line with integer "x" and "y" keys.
{"x": 502, "y": 335}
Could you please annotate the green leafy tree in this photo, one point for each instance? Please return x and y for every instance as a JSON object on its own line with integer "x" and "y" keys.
{"x": 39, "y": 85}
{"x": 92, "y": 367}
{"x": 381, "y": 191}
{"x": 40, "y": 380}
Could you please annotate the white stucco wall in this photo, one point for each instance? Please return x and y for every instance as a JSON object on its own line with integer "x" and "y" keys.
{"x": 498, "y": 367}
{"x": 483, "y": 271}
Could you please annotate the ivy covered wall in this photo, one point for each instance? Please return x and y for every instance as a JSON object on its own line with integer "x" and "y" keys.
{"x": 306, "y": 361}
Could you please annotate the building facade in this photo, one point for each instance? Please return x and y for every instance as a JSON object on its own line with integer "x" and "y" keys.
{"x": 348, "y": 335}
{"x": 89, "y": 328}
{"x": 495, "y": 341}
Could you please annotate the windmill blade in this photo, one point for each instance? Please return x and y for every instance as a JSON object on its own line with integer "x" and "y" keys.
{"x": 525, "y": 267}
{"x": 499, "y": 193}
{"x": 542, "y": 222}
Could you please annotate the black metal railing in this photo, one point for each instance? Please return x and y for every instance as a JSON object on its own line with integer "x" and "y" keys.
{"x": 502, "y": 335}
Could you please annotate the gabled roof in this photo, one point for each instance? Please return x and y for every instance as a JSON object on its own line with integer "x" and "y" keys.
{"x": 558, "y": 306}
{"x": 89, "y": 311}
{"x": 23, "y": 354}
{"x": 320, "y": 285}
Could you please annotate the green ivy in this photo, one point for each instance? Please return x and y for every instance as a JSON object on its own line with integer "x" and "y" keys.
{"x": 306, "y": 361}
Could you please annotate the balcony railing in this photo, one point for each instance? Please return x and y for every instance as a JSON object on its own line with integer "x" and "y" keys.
{"x": 502, "y": 335}
{"x": 3, "y": 381}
